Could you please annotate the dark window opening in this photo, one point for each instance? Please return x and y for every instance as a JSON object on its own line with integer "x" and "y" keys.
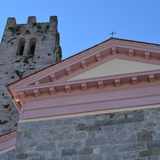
{"x": 21, "y": 47}
{"x": 32, "y": 47}
{"x": 27, "y": 32}
{"x": 21, "y": 50}
{"x": 32, "y": 50}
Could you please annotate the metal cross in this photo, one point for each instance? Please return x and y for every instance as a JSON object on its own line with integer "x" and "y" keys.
{"x": 112, "y": 33}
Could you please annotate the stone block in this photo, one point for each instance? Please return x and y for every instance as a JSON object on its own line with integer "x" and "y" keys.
{"x": 68, "y": 121}
{"x": 132, "y": 127}
{"x": 145, "y": 153}
{"x": 96, "y": 141}
{"x": 97, "y": 150}
{"x": 126, "y": 147}
{"x": 92, "y": 134}
{"x": 85, "y": 151}
{"x": 144, "y": 136}
{"x": 69, "y": 152}
{"x": 112, "y": 156}
{"x": 49, "y": 146}
{"x": 150, "y": 152}
{"x": 106, "y": 149}
{"x": 91, "y": 157}
{"x": 153, "y": 144}
{"x": 59, "y": 122}
{"x": 129, "y": 155}
{"x": 100, "y": 117}
{"x": 68, "y": 136}
{"x": 153, "y": 158}
{"x": 77, "y": 144}
{"x": 22, "y": 156}
{"x": 90, "y": 121}
{"x": 139, "y": 146}
{"x": 156, "y": 151}
{"x": 80, "y": 135}
{"x": 65, "y": 144}
{"x": 88, "y": 128}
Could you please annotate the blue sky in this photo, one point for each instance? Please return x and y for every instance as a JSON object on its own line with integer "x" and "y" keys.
{"x": 84, "y": 23}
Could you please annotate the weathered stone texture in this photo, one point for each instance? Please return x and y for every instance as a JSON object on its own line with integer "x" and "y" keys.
{"x": 10, "y": 155}
{"x": 132, "y": 135}
{"x": 14, "y": 66}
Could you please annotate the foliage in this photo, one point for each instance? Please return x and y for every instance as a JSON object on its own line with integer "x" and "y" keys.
{"x": 6, "y": 105}
{"x": 3, "y": 122}
{"x": 39, "y": 26}
{"x": 12, "y": 29}
{"x": 19, "y": 74}
{"x": 15, "y": 29}
{"x": 34, "y": 24}
{"x": 17, "y": 61}
{"x": 47, "y": 27}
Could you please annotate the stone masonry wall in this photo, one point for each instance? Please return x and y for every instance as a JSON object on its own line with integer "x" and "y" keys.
{"x": 14, "y": 66}
{"x": 131, "y": 135}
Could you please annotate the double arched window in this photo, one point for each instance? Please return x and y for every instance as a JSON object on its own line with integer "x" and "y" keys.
{"x": 31, "y": 48}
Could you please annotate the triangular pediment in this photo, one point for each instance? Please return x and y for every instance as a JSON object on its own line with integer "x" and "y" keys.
{"x": 107, "y": 63}
{"x": 116, "y": 67}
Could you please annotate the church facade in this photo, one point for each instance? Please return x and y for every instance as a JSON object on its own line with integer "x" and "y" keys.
{"x": 100, "y": 104}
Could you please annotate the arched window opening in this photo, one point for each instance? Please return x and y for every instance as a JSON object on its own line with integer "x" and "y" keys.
{"x": 32, "y": 45}
{"x": 22, "y": 42}
{"x": 27, "y": 32}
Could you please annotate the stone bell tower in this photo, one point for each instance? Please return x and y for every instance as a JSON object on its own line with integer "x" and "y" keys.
{"x": 24, "y": 49}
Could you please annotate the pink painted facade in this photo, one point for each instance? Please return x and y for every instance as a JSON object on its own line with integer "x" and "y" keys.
{"x": 76, "y": 85}
{"x": 65, "y": 88}
{"x": 8, "y": 142}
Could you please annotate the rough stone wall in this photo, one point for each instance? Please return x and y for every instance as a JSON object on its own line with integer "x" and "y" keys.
{"x": 10, "y": 155}
{"x": 131, "y": 135}
{"x": 14, "y": 66}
